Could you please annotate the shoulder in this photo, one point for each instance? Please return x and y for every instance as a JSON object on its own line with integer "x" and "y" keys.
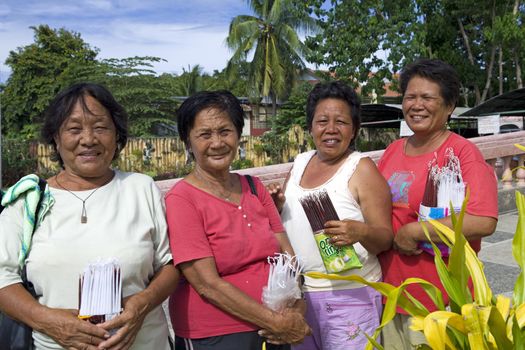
{"x": 367, "y": 170}
{"x": 304, "y": 157}
{"x": 140, "y": 184}
{"x": 394, "y": 150}
{"x": 133, "y": 178}
{"x": 182, "y": 189}
{"x": 463, "y": 147}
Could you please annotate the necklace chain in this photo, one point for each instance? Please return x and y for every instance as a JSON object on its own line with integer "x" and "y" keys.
{"x": 216, "y": 192}
{"x": 83, "y": 215}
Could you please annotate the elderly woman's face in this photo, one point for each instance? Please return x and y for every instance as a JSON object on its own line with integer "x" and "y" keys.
{"x": 87, "y": 140}
{"x": 332, "y": 128}
{"x": 213, "y": 140}
{"x": 424, "y": 108}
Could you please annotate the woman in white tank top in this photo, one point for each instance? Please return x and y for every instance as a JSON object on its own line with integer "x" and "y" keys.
{"x": 339, "y": 312}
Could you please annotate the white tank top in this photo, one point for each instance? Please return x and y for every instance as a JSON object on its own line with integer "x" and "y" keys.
{"x": 301, "y": 235}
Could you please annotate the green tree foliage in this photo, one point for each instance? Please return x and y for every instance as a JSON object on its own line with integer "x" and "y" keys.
{"x": 293, "y": 111}
{"x": 148, "y": 98}
{"x": 55, "y": 60}
{"x": 371, "y": 40}
{"x": 270, "y": 38}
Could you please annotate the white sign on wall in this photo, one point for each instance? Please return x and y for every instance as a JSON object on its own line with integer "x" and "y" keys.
{"x": 488, "y": 124}
{"x": 404, "y": 130}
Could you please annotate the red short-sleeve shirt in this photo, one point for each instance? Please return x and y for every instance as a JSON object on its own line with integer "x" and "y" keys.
{"x": 406, "y": 177}
{"x": 239, "y": 238}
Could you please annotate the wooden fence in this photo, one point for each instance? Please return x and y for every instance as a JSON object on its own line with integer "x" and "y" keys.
{"x": 156, "y": 156}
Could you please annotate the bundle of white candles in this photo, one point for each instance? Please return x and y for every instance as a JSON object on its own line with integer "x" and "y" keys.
{"x": 449, "y": 182}
{"x": 101, "y": 290}
{"x": 283, "y": 285}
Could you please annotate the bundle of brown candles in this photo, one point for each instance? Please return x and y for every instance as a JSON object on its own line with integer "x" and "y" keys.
{"x": 444, "y": 184}
{"x": 319, "y": 209}
{"x": 430, "y": 195}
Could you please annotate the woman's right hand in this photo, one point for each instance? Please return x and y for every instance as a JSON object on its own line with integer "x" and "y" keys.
{"x": 290, "y": 328}
{"x": 276, "y": 191}
{"x": 68, "y": 330}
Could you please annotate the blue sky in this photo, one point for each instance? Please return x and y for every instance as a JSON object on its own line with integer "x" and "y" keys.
{"x": 184, "y": 32}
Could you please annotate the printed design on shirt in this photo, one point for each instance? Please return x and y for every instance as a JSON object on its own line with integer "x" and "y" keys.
{"x": 400, "y": 182}
{"x": 352, "y": 331}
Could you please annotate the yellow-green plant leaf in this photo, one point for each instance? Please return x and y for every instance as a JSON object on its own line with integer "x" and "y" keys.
{"x": 452, "y": 286}
{"x": 472, "y": 324}
{"x": 373, "y": 342}
{"x": 457, "y": 264}
{"x": 498, "y": 327}
{"x": 482, "y": 291}
{"x": 518, "y": 336}
{"x": 416, "y": 323}
{"x": 520, "y": 315}
{"x": 519, "y": 146}
{"x": 503, "y": 306}
{"x": 435, "y": 329}
{"x": 381, "y": 287}
{"x": 394, "y": 296}
{"x": 518, "y": 247}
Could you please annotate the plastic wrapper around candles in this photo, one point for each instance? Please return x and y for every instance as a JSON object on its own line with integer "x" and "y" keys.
{"x": 283, "y": 286}
{"x": 427, "y": 213}
{"x": 336, "y": 259}
{"x": 100, "y": 291}
{"x": 444, "y": 188}
{"x": 319, "y": 209}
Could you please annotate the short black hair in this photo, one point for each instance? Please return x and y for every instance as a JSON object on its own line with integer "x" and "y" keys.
{"x": 63, "y": 104}
{"x": 340, "y": 91}
{"x": 221, "y": 100}
{"x": 437, "y": 71}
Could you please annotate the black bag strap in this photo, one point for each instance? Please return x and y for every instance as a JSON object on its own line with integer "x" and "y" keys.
{"x": 252, "y": 184}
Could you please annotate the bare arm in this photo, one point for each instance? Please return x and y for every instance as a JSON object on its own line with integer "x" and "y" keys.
{"x": 202, "y": 275}
{"x": 137, "y": 307}
{"x": 61, "y": 325}
{"x": 284, "y": 243}
{"x": 277, "y": 192}
{"x": 474, "y": 227}
{"x": 373, "y": 195}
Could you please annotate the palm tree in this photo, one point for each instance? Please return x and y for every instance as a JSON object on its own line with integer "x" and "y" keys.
{"x": 271, "y": 37}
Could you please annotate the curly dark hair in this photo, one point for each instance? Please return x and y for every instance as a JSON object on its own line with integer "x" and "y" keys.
{"x": 63, "y": 104}
{"x": 340, "y": 91}
{"x": 437, "y": 71}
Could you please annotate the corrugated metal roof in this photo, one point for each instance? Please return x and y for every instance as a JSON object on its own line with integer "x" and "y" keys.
{"x": 509, "y": 103}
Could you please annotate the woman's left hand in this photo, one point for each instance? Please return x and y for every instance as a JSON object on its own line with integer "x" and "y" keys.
{"x": 344, "y": 232}
{"x": 404, "y": 241}
{"x": 128, "y": 324}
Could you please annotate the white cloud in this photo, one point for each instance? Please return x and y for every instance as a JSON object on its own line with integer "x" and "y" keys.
{"x": 179, "y": 45}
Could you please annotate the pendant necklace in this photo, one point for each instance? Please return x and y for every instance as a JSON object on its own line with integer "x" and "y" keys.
{"x": 83, "y": 216}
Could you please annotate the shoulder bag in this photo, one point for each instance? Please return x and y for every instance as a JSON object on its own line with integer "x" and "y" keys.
{"x": 16, "y": 335}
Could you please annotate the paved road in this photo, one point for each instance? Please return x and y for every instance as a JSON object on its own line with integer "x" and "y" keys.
{"x": 496, "y": 253}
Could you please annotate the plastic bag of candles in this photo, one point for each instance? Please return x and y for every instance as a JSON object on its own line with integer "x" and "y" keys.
{"x": 100, "y": 291}
{"x": 283, "y": 281}
{"x": 444, "y": 187}
{"x": 319, "y": 209}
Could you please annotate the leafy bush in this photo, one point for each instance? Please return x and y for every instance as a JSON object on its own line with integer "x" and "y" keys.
{"x": 19, "y": 158}
{"x": 481, "y": 321}
{"x": 242, "y": 164}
